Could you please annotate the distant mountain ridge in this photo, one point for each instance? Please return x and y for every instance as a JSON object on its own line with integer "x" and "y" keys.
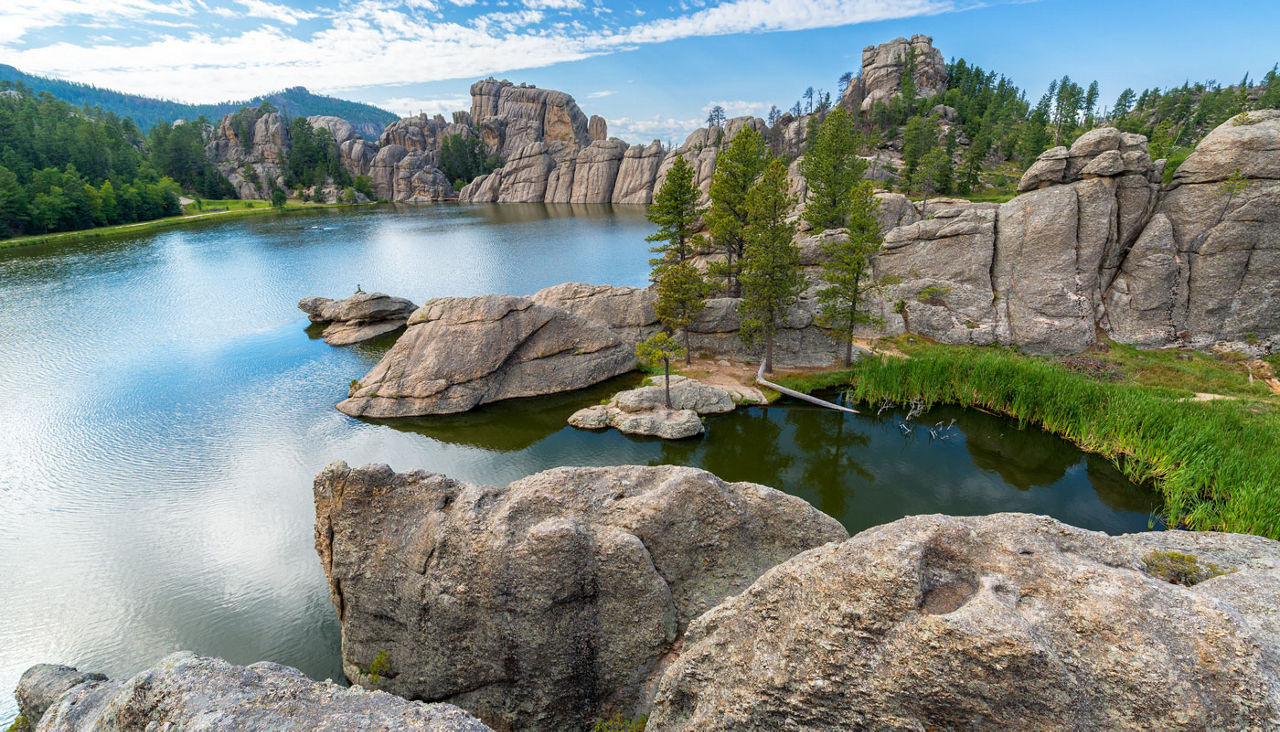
{"x": 147, "y": 111}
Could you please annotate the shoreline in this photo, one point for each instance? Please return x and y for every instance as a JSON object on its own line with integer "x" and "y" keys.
{"x": 142, "y": 227}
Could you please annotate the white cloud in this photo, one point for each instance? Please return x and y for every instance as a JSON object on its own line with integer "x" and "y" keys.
{"x": 272, "y": 11}
{"x": 375, "y": 42}
{"x": 553, "y": 4}
{"x": 601, "y": 94}
{"x": 657, "y": 127}
{"x": 20, "y": 17}
{"x": 739, "y": 108}
{"x": 406, "y": 106}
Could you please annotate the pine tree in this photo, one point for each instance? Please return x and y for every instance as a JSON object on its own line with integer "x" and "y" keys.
{"x": 674, "y": 210}
{"x": 737, "y": 168}
{"x": 931, "y": 175}
{"x": 715, "y": 118}
{"x": 660, "y": 349}
{"x": 847, "y": 269}
{"x": 771, "y": 276}
{"x": 831, "y": 169}
{"x": 682, "y": 294}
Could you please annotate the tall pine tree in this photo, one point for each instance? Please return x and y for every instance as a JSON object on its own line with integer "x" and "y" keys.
{"x": 674, "y": 210}
{"x": 831, "y": 168}
{"x": 771, "y": 276}
{"x": 737, "y": 168}
{"x": 846, "y": 273}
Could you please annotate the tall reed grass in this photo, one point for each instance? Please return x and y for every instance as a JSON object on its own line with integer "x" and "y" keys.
{"x": 1216, "y": 463}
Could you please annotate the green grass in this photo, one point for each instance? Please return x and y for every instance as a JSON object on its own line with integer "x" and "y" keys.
{"x": 102, "y": 232}
{"x": 1216, "y": 464}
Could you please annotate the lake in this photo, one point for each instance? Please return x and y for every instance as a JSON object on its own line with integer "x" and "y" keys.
{"x": 164, "y": 409}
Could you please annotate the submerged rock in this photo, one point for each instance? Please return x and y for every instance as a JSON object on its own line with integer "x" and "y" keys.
{"x": 192, "y": 693}
{"x": 1005, "y": 621}
{"x": 461, "y": 352}
{"x": 358, "y": 318}
{"x": 549, "y": 603}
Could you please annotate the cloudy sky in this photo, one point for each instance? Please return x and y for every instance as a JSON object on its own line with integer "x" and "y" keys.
{"x": 651, "y": 68}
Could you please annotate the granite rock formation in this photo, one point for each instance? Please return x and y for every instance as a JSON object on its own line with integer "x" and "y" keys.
{"x": 459, "y": 353}
{"x": 1207, "y": 268}
{"x": 253, "y": 165}
{"x": 1004, "y": 621}
{"x": 196, "y": 694}
{"x": 549, "y": 603}
{"x": 357, "y": 318}
{"x": 883, "y": 66}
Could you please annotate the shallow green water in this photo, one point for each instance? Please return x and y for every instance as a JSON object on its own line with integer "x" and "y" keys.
{"x": 163, "y": 411}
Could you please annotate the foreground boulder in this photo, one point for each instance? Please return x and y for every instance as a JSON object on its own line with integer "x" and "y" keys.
{"x": 1003, "y": 622}
{"x": 192, "y": 693}
{"x": 549, "y": 603}
{"x": 358, "y": 318}
{"x": 461, "y": 352}
{"x": 644, "y": 411}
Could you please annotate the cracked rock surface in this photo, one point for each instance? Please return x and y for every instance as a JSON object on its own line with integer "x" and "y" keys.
{"x": 549, "y": 603}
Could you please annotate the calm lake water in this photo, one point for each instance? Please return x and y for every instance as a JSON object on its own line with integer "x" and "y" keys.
{"x": 163, "y": 410}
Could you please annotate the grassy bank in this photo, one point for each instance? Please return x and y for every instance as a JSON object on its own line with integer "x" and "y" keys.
{"x": 228, "y": 210}
{"x": 1216, "y": 463}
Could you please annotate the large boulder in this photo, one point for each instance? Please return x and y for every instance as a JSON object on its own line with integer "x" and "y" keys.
{"x": 196, "y": 694}
{"x": 941, "y": 267}
{"x": 458, "y": 353}
{"x": 549, "y": 603}
{"x": 341, "y": 130}
{"x": 357, "y": 318}
{"x": 524, "y": 178}
{"x": 1222, "y": 230}
{"x": 1008, "y": 621}
{"x": 628, "y": 311}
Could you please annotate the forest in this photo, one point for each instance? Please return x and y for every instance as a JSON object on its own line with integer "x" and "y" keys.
{"x": 63, "y": 168}
{"x": 982, "y": 130}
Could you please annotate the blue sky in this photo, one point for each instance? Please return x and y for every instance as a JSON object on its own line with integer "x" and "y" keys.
{"x": 651, "y": 68}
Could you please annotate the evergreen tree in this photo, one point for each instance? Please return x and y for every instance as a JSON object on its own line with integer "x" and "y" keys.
{"x": 674, "y": 210}
{"x": 682, "y": 294}
{"x": 1124, "y": 103}
{"x": 847, "y": 269}
{"x": 660, "y": 348}
{"x": 716, "y": 118}
{"x": 831, "y": 169}
{"x": 931, "y": 176}
{"x": 771, "y": 276}
{"x": 737, "y": 168}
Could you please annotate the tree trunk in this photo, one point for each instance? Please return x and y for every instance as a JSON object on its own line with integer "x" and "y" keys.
{"x": 666, "y": 367}
{"x": 768, "y": 353}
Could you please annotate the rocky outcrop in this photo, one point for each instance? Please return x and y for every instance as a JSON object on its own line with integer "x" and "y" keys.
{"x": 1033, "y": 271}
{"x": 459, "y": 353}
{"x": 627, "y": 311}
{"x": 511, "y": 117}
{"x": 883, "y": 67}
{"x": 192, "y": 693}
{"x": 637, "y": 173}
{"x": 425, "y": 134}
{"x": 1207, "y": 269}
{"x": 596, "y": 170}
{"x": 597, "y": 128}
{"x": 1008, "y": 621}
{"x": 399, "y": 174}
{"x": 549, "y": 603}
{"x": 252, "y": 165}
{"x": 644, "y": 411}
{"x": 357, "y": 318}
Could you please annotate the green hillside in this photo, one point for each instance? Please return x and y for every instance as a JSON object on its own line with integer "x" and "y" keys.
{"x": 146, "y": 111}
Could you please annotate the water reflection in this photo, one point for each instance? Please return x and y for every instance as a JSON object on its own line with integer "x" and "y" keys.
{"x": 165, "y": 407}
